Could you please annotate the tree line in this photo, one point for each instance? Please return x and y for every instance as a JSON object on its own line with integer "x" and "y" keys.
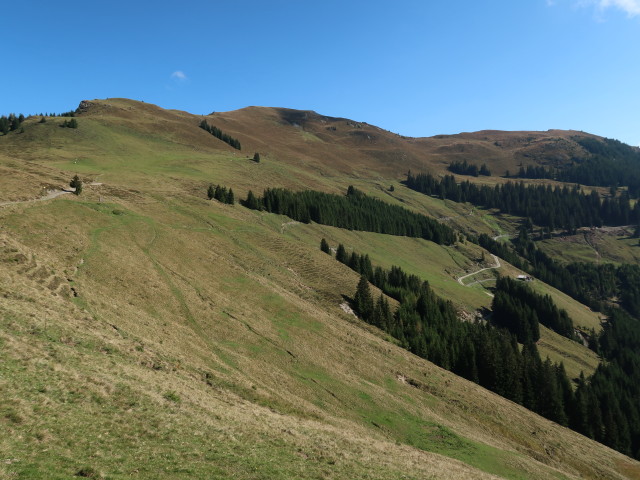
{"x": 428, "y": 326}
{"x": 559, "y": 207}
{"x": 610, "y": 163}
{"x": 353, "y": 211}
{"x": 10, "y": 123}
{"x": 466, "y": 168}
{"x": 216, "y": 132}
{"x": 535, "y": 171}
{"x": 221, "y": 194}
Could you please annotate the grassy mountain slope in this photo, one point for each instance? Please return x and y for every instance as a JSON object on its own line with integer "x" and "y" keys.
{"x": 149, "y": 333}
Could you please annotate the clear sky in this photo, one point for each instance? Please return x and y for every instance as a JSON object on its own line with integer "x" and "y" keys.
{"x": 418, "y": 68}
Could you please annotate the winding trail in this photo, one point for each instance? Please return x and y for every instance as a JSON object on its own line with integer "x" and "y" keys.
{"x": 505, "y": 235}
{"x": 497, "y": 265}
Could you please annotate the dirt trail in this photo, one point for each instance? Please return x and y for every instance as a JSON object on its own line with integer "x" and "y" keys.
{"x": 48, "y": 196}
{"x": 51, "y": 194}
{"x": 497, "y": 265}
{"x": 498, "y": 237}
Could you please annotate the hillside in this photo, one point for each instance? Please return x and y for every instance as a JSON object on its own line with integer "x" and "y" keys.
{"x": 148, "y": 332}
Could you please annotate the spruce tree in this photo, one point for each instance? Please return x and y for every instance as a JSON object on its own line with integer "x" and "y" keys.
{"x": 231, "y": 197}
{"x": 211, "y": 191}
{"x": 363, "y": 301}
{"x": 4, "y": 125}
{"x": 324, "y": 246}
{"x": 220, "y": 193}
{"x": 256, "y": 157}
{"x": 251, "y": 201}
{"x": 341, "y": 254}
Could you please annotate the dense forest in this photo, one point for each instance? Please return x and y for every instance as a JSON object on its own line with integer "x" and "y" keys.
{"x": 611, "y": 396}
{"x": 465, "y": 168}
{"x": 536, "y": 172}
{"x": 216, "y": 132}
{"x": 610, "y": 164}
{"x": 608, "y": 403}
{"x": 355, "y": 211}
{"x": 519, "y": 309}
{"x": 559, "y": 207}
{"x": 429, "y": 326}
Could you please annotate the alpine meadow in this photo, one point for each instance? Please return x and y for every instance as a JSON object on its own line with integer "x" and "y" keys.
{"x": 269, "y": 293}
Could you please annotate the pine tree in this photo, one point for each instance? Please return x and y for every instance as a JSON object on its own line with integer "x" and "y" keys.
{"x": 211, "y": 191}
{"x": 324, "y": 246}
{"x": 363, "y": 301}
{"x": 231, "y": 199}
{"x": 251, "y": 201}
{"x": 220, "y": 193}
{"x": 341, "y": 254}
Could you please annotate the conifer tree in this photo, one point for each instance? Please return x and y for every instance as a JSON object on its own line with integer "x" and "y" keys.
{"x": 211, "y": 192}
{"x": 324, "y": 246}
{"x": 363, "y": 301}
{"x": 220, "y": 193}
{"x": 4, "y": 125}
{"x": 231, "y": 197}
{"x": 341, "y": 254}
{"x": 251, "y": 201}
{"x": 256, "y": 157}
{"x": 76, "y": 183}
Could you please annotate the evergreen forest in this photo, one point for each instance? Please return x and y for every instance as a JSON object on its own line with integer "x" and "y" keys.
{"x": 429, "y": 327}
{"x": 354, "y": 211}
{"x": 609, "y": 163}
{"x": 216, "y": 132}
{"x": 559, "y": 207}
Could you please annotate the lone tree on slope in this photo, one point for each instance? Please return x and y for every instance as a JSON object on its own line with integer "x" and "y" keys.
{"x": 76, "y": 183}
{"x": 324, "y": 246}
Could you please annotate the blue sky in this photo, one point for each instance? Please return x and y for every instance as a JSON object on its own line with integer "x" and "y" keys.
{"x": 418, "y": 68}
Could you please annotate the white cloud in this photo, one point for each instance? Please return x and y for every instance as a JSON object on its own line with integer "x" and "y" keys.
{"x": 630, "y": 7}
{"x": 179, "y": 75}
